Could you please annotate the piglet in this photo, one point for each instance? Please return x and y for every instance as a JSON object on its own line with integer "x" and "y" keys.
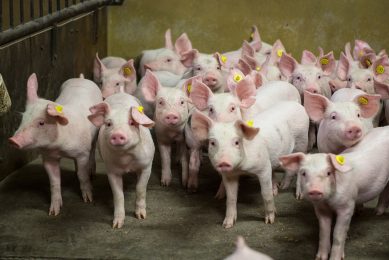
{"x": 170, "y": 116}
{"x": 343, "y": 123}
{"x": 336, "y": 183}
{"x": 114, "y": 74}
{"x": 61, "y": 129}
{"x": 243, "y": 252}
{"x": 125, "y": 145}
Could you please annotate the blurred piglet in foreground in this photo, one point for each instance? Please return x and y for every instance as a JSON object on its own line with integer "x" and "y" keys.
{"x": 126, "y": 145}
{"x": 243, "y": 252}
{"x": 61, "y": 129}
{"x": 337, "y": 183}
{"x": 114, "y": 74}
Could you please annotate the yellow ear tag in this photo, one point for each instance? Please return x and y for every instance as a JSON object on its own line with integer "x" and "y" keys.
{"x": 127, "y": 71}
{"x": 59, "y": 109}
{"x": 368, "y": 62}
{"x": 279, "y": 53}
{"x": 252, "y": 36}
{"x": 258, "y": 68}
{"x": 223, "y": 58}
{"x": 237, "y": 78}
{"x": 340, "y": 159}
{"x": 140, "y": 109}
{"x": 363, "y": 101}
{"x": 360, "y": 53}
{"x": 250, "y": 123}
{"x": 324, "y": 61}
{"x": 189, "y": 87}
{"x": 380, "y": 69}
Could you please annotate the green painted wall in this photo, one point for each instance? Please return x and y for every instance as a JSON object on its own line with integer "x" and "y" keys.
{"x": 222, "y": 25}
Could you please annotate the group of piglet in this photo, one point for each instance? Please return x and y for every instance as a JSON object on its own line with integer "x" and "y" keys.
{"x": 254, "y": 110}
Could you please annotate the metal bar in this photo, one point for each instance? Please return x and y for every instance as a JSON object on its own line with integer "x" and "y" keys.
{"x": 50, "y": 7}
{"x": 41, "y": 23}
{"x": 40, "y": 8}
{"x": 66, "y": 3}
{"x": 21, "y": 12}
{"x": 58, "y": 5}
{"x": 74, "y": 2}
{"x": 11, "y": 13}
{"x": 1, "y": 15}
{"x": 31, "y": 9}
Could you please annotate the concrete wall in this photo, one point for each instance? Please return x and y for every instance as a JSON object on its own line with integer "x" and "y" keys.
{"x": 223, "y": 24}
{"x": 73, "y": 53}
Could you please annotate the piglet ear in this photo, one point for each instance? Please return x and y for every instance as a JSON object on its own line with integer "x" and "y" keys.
{"x": 321, "y": 51}
{"x": 336, "y": 84}
{"x": 168, "y": 40}
{"x": 339, "y": 162}
{"x": 221, "y": 59}
{"x": 188, "y": 57}
{"x": 315, "y": 105}
{"x": 327, "y": 63}
{"x": 234, "y": 77}
{"x": 292, "y": 161}
{"x": 343, "y": 67}
{"x": 247, "y": 131}
{"x": 250, "y": 61}
{"x": 367, "y": 60}
{"x": 139, "y": 117}
{"x": 201, "y": 125}
{"x": 183, "y": 44}
{"x": 200, "y": 94}
{"x": 128, "y": 70}
{"x": 277, "y": 51}
{"x": 98, "y": 113}
{"x": 287, "y": 65}
{"x": 56, "y": 111}
{"x": 257, "y": 78}
{"x": 382, "y": 89}
{"x": 243, "y": 66}
{"x": 347, "y": 51}
{"x": 32, "y": 88}
{"x": 308, "y": 58}
{"x": 247, "y": 49}
{"x": 256, "y": 41}
{"x": 98, "y": 69}
{"x": 381, "y": 68}
{"x": 361, "y": 48}
{"x": 245, "y": 91}
{"x": 188, "y": 84}
{"x": 369, "y": 104}
{"x": 150, "y": 86}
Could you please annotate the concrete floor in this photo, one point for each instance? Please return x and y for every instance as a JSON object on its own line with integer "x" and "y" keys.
{"x": 178, "y": 225}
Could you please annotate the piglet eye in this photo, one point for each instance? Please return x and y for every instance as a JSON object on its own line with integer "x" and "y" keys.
{"x": 218, "y": 67}
{"x": 212, "y": 143}
{"x": 232, "y": 108}
{"x": 236, "y": 143}
{"x": 328, "y": 173}
{"x": 211, "y": 110}
{"x": 169, "y": 60}
{"x": 333, "y": 116}
{"x": 303, "y": 174}
{"x": 319, "y": 77}
{"x": 368, "y": 79}
{"x": 117, "y": 84}
{"x": 160, "y": 102}
{"x": 182, "y": 102}
{"x": 109, "y": 124}
{"x": 298, "y": 78}
{"x": 349, "y": 79}
{"x": 41, "y": 123}
{"x": 359, "y": 115}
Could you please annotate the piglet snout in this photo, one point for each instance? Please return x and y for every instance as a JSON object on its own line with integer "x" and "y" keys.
{"x": 172, "y": 119}
{"x": 315, "y": 194}
{"x": 313, "y": 90}
{"x": 118, "y": 139}
{"x": 353, "y": 132}
{"x": 210, "y": 81}
{"x": 224, "y": 167}
{"x": 13, "y": 141}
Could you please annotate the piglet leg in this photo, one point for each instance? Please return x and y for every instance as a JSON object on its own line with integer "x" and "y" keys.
{"x": 165, "y": 152}
{"x": 116, "y": 183}
{"x": 184, "y": 163}
{"x": 383, "y": 201}
{"x": 265, "y": 180}
{"x": 83, "y": 173}
{"x": 324, "y": 215}
{"x": 194, "y": 166}
{"x": 141, "y": 187}
{"x": 231, "y": 184}
{"x": 53, "y": 171}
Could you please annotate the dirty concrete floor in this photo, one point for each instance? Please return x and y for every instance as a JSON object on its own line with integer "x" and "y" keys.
{"x": 178, "y": 225}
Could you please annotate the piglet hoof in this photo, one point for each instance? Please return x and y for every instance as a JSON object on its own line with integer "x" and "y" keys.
{"x": 275, "y": 189}
{"x": 379, "y": 211}
{"x": 299, "y": 196}
{"x": 165, "y": 182}
{"x": 284, "y": 185}
{"x": 87, "y": 196}
{"x": 229, "y": 222}
{"x": 321, "y": 257}
{"x": 55, "y": 207}
{"x": 140, "y": 213}
{"x": 118, "y": 222}
{"x": 269, "y": 219}
{"x": 220, "y": 195}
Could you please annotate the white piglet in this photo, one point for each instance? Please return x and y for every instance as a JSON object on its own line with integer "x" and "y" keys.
{"x": 336, "y": 183}
{"x": 114, "y": 74}
{"x": 125, "y": 145}
{"x": 61, "y": 129}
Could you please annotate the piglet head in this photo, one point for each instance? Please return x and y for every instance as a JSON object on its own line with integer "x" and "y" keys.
{"x": 120, "y": 127}
{"x": 40, "y": 122}
{"x": 225, "y": 140}
{"x": 317, "y": 172}
{"x": 171, "y": 104}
